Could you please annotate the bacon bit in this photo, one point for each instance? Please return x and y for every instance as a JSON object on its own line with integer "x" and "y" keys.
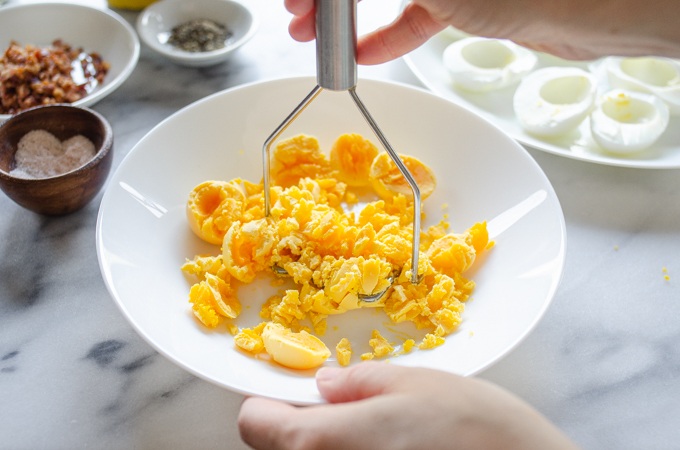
{"x": 32, "y": 76}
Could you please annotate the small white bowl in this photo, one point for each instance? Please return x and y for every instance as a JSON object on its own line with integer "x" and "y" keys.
{"x": 95, "y": 30}
{"x": 156, "y": 22}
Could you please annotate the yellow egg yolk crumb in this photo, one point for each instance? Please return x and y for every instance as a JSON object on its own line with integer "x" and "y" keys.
{"x": 380, "y": 345}
{"x": 351, "y": 197}
{"x": 250, "y": 340}
{"x": 344, "y": 352}
{"x": 334, "y": 256}
{"x": 213, "y": 300}
{"x": 233, "y": 329}
{"x": 430, "y": 341}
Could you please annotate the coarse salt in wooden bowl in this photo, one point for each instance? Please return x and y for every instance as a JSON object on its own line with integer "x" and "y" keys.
{"x": 71, "y": 191}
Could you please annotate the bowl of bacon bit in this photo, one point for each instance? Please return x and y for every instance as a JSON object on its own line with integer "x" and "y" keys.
{"x": 58, "y": 53}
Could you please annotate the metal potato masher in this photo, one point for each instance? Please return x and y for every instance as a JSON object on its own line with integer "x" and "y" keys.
{"x": 336, "y": 70}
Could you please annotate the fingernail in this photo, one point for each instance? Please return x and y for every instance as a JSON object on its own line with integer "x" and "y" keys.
{"x": 327, "y": 373}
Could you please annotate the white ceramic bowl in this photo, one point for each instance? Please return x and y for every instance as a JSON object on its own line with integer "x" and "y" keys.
{"x": 156, "y": 22}
{"x": 143, "y": 237}
{"x": 95, "y": 30}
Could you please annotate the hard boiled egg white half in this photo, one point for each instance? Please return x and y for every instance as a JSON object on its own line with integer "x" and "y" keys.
{"x": 554, "y": 100}
{"x": 479, "y": 64}
{"x": 658, "y": 76}
{"x": 628, "y": 121}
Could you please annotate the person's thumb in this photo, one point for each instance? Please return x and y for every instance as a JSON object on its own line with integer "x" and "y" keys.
{"x": 364, "y": 380}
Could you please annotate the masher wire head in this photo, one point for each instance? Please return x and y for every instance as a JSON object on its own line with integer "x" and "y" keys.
{"x": 336, "y": 67}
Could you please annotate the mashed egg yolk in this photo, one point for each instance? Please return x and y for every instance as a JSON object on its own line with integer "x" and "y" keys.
{"x": 333, "y": 255}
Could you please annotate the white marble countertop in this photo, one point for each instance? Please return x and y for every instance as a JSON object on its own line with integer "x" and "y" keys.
{"x": 604, "y": 364}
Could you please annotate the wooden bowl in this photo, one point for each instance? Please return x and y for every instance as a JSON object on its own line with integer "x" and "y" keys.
{"x": 69, "y": 192}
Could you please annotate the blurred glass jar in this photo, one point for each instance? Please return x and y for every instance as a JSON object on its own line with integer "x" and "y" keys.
{"x": 129, "y": 4}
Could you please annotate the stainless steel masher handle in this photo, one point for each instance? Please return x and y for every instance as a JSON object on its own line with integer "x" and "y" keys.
{"x": 336, "y": 70}
{"x": 336, "y": 44}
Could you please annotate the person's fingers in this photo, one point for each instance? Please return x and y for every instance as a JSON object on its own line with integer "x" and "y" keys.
{"x": 355, "y": 383}
{"x": 264, "y": 423}
{"x": 299, "y": 7}
{"x": 376, "y": 405}
{"x": 271, "y": 425}
{"x": 364, "y": 380}
{"x": 374, "y": 423}
{"x": 410, "y": 30}
{"x": 303, "y": 28}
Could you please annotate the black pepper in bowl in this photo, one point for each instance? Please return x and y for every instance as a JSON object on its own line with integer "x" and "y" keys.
{"x": 200, "y": 35}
